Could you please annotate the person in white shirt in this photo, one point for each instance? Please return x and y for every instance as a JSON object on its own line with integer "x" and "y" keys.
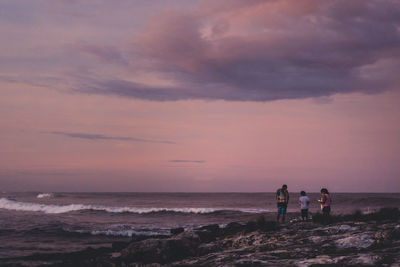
{"x": 304, "y": 201}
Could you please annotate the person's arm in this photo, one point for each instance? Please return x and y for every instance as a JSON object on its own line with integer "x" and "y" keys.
{"x": 287, "y": 196}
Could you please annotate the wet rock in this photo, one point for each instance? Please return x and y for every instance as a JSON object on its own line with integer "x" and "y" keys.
{"x": 365, "y": 259}
{"x": 298, "y": 244}
{"x": 250, "y": 262}
{"x": 318, "y": 239}
{"x": 336, "y": 229}
{"x": 359, "y": 241}
{"x": 243, "y": 241}
{"x": 320, "y": 260}
{"x": 281, "y": 253}
{"x": 328, "y": 248}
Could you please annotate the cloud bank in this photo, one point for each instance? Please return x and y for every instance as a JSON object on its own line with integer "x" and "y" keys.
{"x": 261, "y": 51}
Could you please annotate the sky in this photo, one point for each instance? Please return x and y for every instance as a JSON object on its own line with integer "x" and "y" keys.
{"x": 199, "y": 96}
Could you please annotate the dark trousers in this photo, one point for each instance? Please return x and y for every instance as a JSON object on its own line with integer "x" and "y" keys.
{"x": 326, "y": 210}
{"x": 304, "y": 214}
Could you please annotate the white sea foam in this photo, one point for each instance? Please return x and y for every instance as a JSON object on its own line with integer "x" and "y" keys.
{"x": 45, "y": 195}
{"x": 128, "y": 233}
{"x": 47, "y": 208}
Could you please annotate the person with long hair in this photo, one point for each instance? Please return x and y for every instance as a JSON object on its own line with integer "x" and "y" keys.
{"x": 325, "y": 202}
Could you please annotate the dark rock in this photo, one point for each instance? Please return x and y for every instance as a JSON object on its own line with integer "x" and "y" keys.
{"x": 137, "y": 238}
{"x": 211, "y": 227}
{"x": 206, "y": 236}
{"x": 117, "y": 246}
{"x": 162, "y": 250}
{"x": 395, "y": 233}
{"x": 233, "y": 228}
{"x": 178, "y": 230}
{"x": 263, "y": 243}
{"x": 267, "y": 247}
{"x": 204, "y": 249}
{"x": 251, "y": 227}
{"x": 265, "y": 225}
{"x": 208, "y": 233}
{"x": 268, "y": 226}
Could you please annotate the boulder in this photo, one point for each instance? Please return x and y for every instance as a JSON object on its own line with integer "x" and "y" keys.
{"x": 208, "y": 233}
{"x": 233, "y": 228}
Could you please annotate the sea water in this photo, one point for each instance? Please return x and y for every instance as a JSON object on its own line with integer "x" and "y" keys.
{"x": 45, "y": 222}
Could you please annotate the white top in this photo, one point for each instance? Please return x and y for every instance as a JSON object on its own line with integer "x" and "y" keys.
{"x": 304, "y": 200}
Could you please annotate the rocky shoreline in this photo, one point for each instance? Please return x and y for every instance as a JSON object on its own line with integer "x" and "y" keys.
{"x": 352, "y": 240}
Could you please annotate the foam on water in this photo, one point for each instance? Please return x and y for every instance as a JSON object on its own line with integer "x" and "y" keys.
{"x": 127, "y": 233}
{"x": 45, "y": 195}
{"x": 55, "y": 209}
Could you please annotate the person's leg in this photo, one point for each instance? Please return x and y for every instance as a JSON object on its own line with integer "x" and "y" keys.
{"x": 325, "y": 213}
{"x": 303, "y": 214}
{"x": 279, "y": 212}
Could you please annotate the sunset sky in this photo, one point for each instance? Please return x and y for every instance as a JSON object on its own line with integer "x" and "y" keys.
{"x": 199, "y": 96}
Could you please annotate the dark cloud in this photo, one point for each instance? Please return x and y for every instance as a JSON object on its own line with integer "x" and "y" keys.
{"x": 105, "y": 137}
{"x": 266, "y": 50}
{"x": 186, "y": 161}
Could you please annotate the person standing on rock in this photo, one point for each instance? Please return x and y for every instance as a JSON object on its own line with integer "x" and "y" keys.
{"x": 304, "y": 201}
{"x": 282, "y": 198}
{"x": 325, "y": 202}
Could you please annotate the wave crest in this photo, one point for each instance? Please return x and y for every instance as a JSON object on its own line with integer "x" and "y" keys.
{"x": 55, "y": 209}
{"x": 45, "y": 195}
{"x": 124, "y": 233}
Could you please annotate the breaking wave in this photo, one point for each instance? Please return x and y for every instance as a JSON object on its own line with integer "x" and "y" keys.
{"x": 123, "y": 233}
{"x": 45, "y": 195}
{"x": 55, "y": 209}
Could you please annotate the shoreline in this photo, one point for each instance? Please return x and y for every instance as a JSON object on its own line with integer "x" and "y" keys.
{"x": 346, "y": 240}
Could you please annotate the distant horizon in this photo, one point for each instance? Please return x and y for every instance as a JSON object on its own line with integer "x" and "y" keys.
{"x": 128, "y": 192}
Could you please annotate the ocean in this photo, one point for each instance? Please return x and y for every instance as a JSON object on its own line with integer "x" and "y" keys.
{"x": 44, "y": 222}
